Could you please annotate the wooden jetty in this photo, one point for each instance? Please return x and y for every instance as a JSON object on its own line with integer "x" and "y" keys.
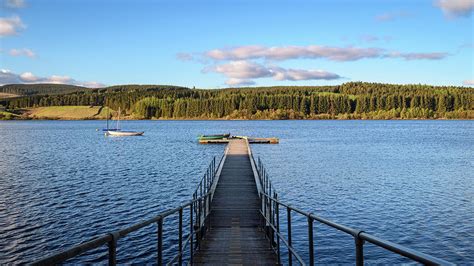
{"x": 235, "y": 235}
{"x": 249, "y": 139}
{"x": 234, "y": 219}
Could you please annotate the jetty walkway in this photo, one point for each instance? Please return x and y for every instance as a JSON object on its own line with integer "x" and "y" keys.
{"x": 235, "y": 235}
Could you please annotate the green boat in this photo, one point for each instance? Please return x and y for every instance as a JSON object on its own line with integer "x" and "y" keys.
{"x": 217, "y": 136}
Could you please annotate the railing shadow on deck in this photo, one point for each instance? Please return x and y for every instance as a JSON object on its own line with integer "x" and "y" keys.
{"x": 198, "y": 209}
{"x": 271, "y": 207}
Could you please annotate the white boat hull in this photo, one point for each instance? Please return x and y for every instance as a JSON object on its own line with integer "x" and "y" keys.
{"x": 123, "y": 133}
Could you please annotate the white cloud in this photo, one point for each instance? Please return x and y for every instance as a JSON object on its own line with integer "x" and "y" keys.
{"x": 469, "y": 82}
{"x": 392, "y": 16}
{"x": 91, "y": 84}
{"x": 28, "y": 77}
{"x": 8, "y": 77}
{"x": 15, "y": 3}
{"x": 294, "y": 52}
{"x": 340, "y": 54}
{"x": 241, "y": 70}
{"x": 418, "y": 56}
{"x": 184, "y": 56}
{"x": 301, "y": 74}
{"x": 11, "y": 26}
{"x": 456, "y": 8}
{"x": 239, "y": 82}
{"x": 60, "y": 80}
{"x": 241, "y": 73}
{"x": 22, "y": 52}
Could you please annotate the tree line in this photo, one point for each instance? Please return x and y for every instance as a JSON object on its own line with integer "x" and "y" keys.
{"x": 353, "y": 100}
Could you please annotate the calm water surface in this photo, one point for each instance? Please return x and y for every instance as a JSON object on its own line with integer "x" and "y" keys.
{"x": 411, "y": 182}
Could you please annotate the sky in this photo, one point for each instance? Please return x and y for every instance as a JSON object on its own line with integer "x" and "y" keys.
{"x": 218, "y": 44}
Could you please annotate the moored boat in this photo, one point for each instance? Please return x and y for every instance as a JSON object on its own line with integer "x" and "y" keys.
{"x": 216, "y": 136}
{"x": 117, "y": 132}
{"x": 122, "y": 133}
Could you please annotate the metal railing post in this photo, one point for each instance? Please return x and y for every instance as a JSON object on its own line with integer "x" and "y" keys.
{"x": 272, "y": 217}
{"x": 112, "y": 251}
{"x": 277, "y": 210}
{"x": 191, "y": 233}
{"x": 265, "y": 179}
{"x": 180, "y": 237}
{"x": 198, "y": 220}
{"x": 269, "y": 210}
{"x": 209, "y": 211}
{"x": 359, "y": 244}
{"x": 160, "y": 242}
{"x": 288, "y": 215}
{"x": 310, "y": 241}
{"x": 264, "y": 207}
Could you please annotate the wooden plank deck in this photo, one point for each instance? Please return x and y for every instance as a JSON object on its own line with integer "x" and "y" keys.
{"x": 235, "y": 236}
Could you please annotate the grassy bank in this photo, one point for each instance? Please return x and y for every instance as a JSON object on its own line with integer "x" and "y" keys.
{"x": 67, "y": 112}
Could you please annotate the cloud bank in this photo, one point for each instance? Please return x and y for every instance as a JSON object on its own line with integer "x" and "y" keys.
{"x": 8, "y": 77}
{"x": 11, "y": 26}
{"x": 293, "y": 52}
{"x": 340, "y": 54}
{"x": 456, "y": 8}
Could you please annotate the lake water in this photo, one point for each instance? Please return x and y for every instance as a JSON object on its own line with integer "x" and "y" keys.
{"x": 411, "y": 182}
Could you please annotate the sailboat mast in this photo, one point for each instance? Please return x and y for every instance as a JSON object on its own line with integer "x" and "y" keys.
{"x": 118, "y": 119}
{"x": 107, "y": 118}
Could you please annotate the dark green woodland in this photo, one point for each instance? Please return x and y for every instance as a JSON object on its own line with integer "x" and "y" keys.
{"x": 353, "y": 100}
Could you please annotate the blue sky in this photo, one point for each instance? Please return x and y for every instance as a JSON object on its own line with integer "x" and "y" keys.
{"x": 211, "y": 44}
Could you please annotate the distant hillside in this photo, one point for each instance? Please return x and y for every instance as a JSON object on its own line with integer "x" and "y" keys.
{"x": 352, "y": 100}
{"x": 37, "y": 89}
{"x": 12, "y": 90}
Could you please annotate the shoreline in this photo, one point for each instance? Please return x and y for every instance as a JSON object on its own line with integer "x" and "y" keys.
{"x": 72, "y": 113}
{"x": 224, "y": 119}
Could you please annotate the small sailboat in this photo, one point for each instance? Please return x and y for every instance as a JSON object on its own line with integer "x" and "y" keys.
{"x": 122, "y": 133}
{"x": 107, "y": 124}
{"x": 117, "y": 132}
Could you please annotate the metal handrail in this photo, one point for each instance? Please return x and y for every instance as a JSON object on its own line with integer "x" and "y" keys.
{"x": 199, "y": 210}
{"x": 270, "y": 205}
